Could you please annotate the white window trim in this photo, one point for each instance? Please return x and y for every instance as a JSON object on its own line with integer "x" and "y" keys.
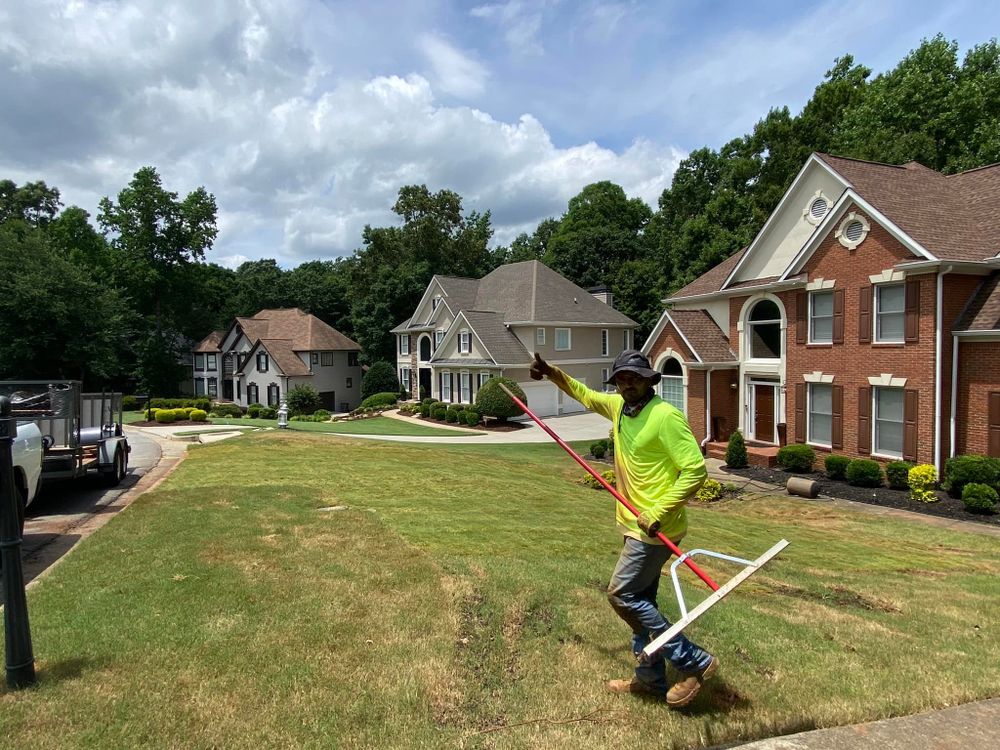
{"x": 887, "y": 380}
{"x": 809, "y": 398}
{"x": 605, "y": 342}
{"x": 841, "y": 235}
{"x": 812, "y": 316}
{"x": 540, "y": 336}
{"x": 438, "y": 338}
{"x": 875, "y": 421}
{"x": 569, "y": 340}
{"x": 447, "y": 380}
{"x": 481, "y": 379}
{"x": 875, "y": 314}
{"x": 817, "y": 377}
{"x": 605, "y": 374}
{"x": 464, "y": 341}
{"x": 807, "y": 211}
{"x": 464, "y": 387}
{"x": 404, "y": 344}
{"x": 625, "y": 339}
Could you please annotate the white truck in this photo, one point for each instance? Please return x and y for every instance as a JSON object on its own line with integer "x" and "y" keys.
{"x": 67, "y": 433}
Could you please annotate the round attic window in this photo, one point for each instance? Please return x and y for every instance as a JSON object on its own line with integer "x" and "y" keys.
{"x": 816, "y": 209}
{"x": 853, "y": 230}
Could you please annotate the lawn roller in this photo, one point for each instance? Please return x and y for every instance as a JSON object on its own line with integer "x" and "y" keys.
{"x": 718, "y": 592}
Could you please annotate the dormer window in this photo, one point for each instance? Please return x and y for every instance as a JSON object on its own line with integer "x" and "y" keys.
{"x": 438, "y": 336}
{"x": 435, "y": 302}
{"x": 262, "y": 362}
{"x": 464, "y": 342}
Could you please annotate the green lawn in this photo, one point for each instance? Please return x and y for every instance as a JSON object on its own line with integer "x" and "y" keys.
{"x": 284, "y": 589}
{"x": 370, "y": 426}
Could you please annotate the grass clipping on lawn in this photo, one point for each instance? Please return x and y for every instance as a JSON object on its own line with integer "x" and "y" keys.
{"x": 456, "y": 599}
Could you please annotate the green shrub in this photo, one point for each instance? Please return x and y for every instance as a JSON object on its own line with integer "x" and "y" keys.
{"x": 897, "y": 474}
{"x": 130, "y": 403}
{"x": 471, "y": 417}
{"x": 439, "y": 413}
{"x": 267, "y": 412}
{"x": 253, "y": 411}
{"x": 597, "y": 450}
{"x": 863, "y": 472}
{"x": 302, "y": 399}
{"x": 493, "y": 402}
{"x": 165, "y": 416}
{"x": 456, "y": 407}
{"x": 450, "y": 415}
{"x": 796, "y": 457}
{"x": 962, "y": 470}
{"x": 198, "y": 415}
{"x": 922, "y": 480}
{"x": 151, "y": 414}
{"x": 836, "y": 466}
{"x": 980, "y": 498}
{"x": 380, "y": 378}
{"x": 427, "y": 401}
{"x": 378, "y": 400}
{"x": 321, "y": 415}
{"x": 227, "y": 410}
{"x": 736, "y": 451}
{"x": 425, "y": 410}
{"x": 608, "y": 476}
{"x": 709, "y": 492}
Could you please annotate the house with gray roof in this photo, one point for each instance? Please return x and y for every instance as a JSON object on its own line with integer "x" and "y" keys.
{"x": 258, "y": 359}
{"x": 465, "y": 331}
{"x": 863, "y": 320}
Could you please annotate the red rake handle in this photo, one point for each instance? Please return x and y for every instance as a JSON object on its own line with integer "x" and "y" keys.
{"x": 615, "y": 493}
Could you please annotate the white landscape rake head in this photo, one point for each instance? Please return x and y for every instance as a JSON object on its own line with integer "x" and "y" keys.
{"x": 718, "y": 592}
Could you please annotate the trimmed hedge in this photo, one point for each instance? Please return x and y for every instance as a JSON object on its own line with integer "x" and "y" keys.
{"x": 796, "y": 457}
{"x": 980, "y": 498}
{"x": 962, "y": 470}
{"x": 380, "y": 378}
{"x": 897, "y": 474}
{"x": 377, "y": 400}
{"x": 227, "y": 410}
{"x": 491, "y": 401}
{"x": 198, "y": 415}
{"x": 439, "y": 413}
{"x": 471, "y": 417}
{"x": 922, "y": 480}
{"x": 165, "y": 416}
{"x": 836, "y": 466}
{"x": 863, "y": 472}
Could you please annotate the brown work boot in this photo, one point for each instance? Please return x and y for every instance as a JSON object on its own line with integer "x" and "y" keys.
{"x": 685, "y": 690}
{"x": 633, "y": 686}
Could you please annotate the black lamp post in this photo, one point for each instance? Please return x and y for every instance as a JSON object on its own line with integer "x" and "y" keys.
{"x": 20, "y": 661}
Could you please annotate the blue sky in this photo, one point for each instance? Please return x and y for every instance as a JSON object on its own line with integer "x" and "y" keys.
{"x": 304, "y": 117}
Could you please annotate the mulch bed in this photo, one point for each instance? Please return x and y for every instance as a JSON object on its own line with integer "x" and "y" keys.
{"x": 946, "y": 507}
{"x": 175, "y": 423}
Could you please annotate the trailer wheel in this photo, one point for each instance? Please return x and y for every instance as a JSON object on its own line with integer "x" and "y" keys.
{"x": 114, "y": 477}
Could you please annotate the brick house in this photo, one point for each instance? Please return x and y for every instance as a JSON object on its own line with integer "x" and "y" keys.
{"x": 260, "y": 358}
{"x": 863, "y": 319}
{"x": 465, "y": 331}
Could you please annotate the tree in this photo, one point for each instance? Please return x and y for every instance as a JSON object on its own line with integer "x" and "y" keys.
{"x": 600, "y": 230}
{"x": 156, "y": 233}
{"x": 380, "y": 378}
{"x": 491, "y": 401}
{"x": 303, "y": 399}
{"x": 322, "y": 288}
{"x": 260, "y": 285}
{"x": 34, "y": 203}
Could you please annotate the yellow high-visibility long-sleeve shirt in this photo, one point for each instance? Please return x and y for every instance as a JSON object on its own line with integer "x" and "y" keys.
{"x": 658, "y": 464}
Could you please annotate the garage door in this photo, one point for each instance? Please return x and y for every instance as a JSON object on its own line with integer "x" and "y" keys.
{"x": 568, "y": 404}
{"x": 543, "y": 398}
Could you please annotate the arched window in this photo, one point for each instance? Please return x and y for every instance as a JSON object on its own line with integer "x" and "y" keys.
{"x": 765, "y": 331}
{"x": 672, "y": 383}
{"x": 425, "y": 348}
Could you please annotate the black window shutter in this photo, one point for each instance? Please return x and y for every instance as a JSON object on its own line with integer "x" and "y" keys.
{"x": 801, "y": 317}
{"x": 864, "y": 420}
{"x": 838, "y": 316}
{"x": 837, "y": 423}
{"x": 910, "y": 400}
{"x": 912, "y": 325}
{"x": 865, "y": 315}
{"x": 800, "y": 412}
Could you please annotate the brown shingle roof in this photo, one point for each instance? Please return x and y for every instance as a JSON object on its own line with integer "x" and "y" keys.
{"x": 284, "y": 356}
{"x": 303, "y": 331}
{"x": 210, "y": 343}
{"x": 705, "y": 337}
{"x": 938, "y": 211}
{"x": 983, "y": 311}
{"x": 712, "y": 279}
{"x": 503, "y": 346}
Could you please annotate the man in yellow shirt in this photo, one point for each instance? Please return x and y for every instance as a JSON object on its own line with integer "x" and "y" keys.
{"x": 658, "y": 467}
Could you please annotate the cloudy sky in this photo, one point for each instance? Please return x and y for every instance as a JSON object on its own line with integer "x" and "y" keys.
{"x": 304, "y": 117}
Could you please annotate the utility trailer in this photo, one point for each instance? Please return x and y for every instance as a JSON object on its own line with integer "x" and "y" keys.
{"x": 81, "y": 432}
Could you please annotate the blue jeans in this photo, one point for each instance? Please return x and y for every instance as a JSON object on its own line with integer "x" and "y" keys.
{"x": 632, "y": 593}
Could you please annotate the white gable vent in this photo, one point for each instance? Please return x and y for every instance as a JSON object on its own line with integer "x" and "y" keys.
{"x": 817, "y": 208}
{"x": 853, "y": 230}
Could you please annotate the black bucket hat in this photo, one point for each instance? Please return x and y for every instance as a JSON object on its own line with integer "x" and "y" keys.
{"x": 632, "y": 360}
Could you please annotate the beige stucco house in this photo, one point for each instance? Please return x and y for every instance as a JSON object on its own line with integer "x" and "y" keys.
{"x": 465, "y": 331}
{"x": 260, "y": 358}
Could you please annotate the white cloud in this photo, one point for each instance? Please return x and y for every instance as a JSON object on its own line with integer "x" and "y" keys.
{"x": 521, "y": 23}
{"x": 454, "y": 71}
